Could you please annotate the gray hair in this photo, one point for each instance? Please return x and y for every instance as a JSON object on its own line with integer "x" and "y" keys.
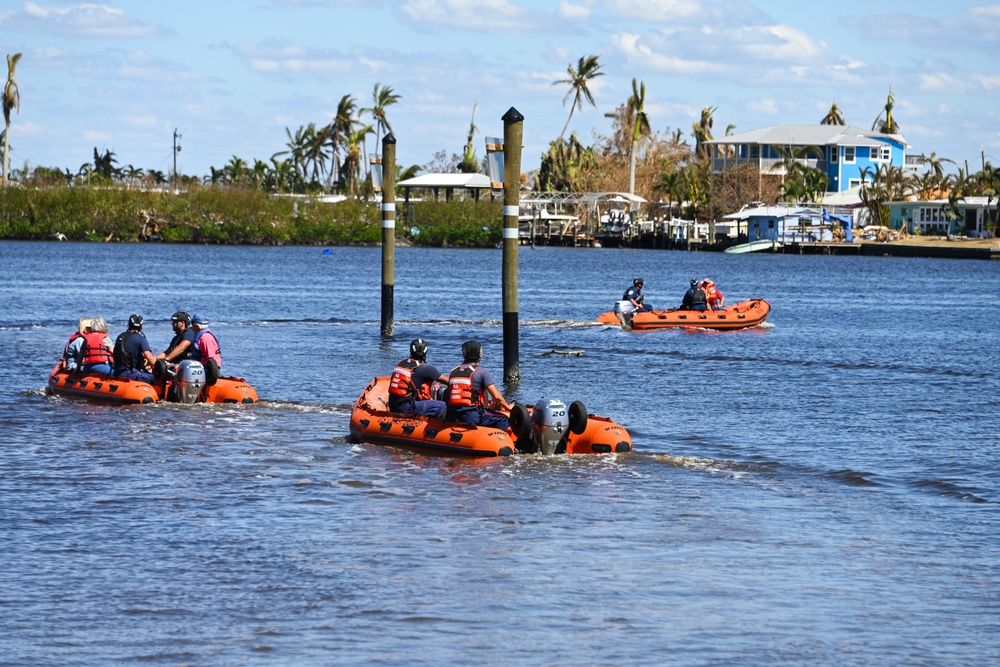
{"x": 99, "y": 325}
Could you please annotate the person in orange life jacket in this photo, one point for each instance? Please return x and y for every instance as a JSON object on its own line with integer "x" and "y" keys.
{"x": 716, "y": 299}
{"x": 133, "y": 357}
{"x": 96, "y": 352}
{"x": 75, "y": 344}
{"x": 470, "y": 388}
{"x": 634, "y": 295}
{"x": 182, "y": 344}
{"x": 410, "y": 384}
{"x": 206, "y": 343}
{"x": 694, "y": 298}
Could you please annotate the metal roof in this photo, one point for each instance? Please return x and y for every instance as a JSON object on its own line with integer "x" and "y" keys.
{"x": 474, "y": 181}
{"x": 771, "y": 212}
{"x": 808, "y": 135}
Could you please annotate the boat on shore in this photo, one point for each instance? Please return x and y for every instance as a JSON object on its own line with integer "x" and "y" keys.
{"x": 550, "y": 427}
{"x": 189, "y": 384}
{"x": 754, "y": 246}
{"x": 743, "y": 315}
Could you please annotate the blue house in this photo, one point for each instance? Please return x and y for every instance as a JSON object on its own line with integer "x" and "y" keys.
{"x": 844, "y": 151}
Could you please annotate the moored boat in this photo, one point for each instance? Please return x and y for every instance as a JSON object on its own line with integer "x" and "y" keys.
{"x": 188, "y": 385}
{"x": 550, "y": 427}
{"x": 754, "y": 246}
{"x": 743, "y": 315}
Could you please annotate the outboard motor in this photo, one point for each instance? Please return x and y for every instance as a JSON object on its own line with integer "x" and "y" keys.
{"x": 189, "y": 381}
{"x": 624, "y": 310}
{"x": 549, "y": 425}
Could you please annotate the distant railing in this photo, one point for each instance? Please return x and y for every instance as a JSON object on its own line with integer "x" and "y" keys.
{"x": 766, "y": 165}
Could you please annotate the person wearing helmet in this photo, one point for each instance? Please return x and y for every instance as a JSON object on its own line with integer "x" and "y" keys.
{"x": 75, "y": 344}
{"x": 695, "y": 298}
{"x": 471, "y": 390}
{"x": 206, "y": 343}
{"x": 716, "y": 299}
{"x": 182, "y": 344}
{"x": 634, "y": 296}
{"x": 132, "y": 355}
{"x": 411, "y": 382}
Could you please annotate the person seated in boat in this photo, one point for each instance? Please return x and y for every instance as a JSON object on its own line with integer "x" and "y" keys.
{"x": 182, "y": 344}
{"x": 75, "y": 344}
{"x": 471, "y": 390}
{"x": 96, "y": 353}
{"x": 206, "y": 343}
{"x": 695, "y": 298}
{"x": 716, "y": 300}
{"x": 133, "y": 357}
{"x": 411, "y": 382}
{"x": 634, "y": 296}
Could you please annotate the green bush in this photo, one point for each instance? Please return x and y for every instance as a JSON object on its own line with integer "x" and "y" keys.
{"x": 224, "y": 215}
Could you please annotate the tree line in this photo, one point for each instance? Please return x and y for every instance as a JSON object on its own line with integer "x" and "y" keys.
{"x": 659, "y": 166}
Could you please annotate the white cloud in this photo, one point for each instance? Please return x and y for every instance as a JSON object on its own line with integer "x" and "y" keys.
{"x": 637, "y": 51}
{"x": 482, "y": 15}
{"x": 573, "y": 12}
{"x": 654, "y": 10}
{"x": 763, "y": 106}
{"x": 287, "y": 58}
{"x": 941, "y": 83}
{"x": 989, "y": 82}
{"x": 79, "y": 20}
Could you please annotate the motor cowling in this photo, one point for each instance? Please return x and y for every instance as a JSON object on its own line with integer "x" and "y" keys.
{"x": 189, "y": 381}
{"x": 549, "y": 425}
{"x": 624, "y": 310}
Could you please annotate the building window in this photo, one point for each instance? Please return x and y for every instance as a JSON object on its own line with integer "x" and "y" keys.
{"x": 880, "y": 153}
{"x": 834, "y": 152}
{"x": 854, "y": 182}
{"x": 754, "y": 151}
{"x": 849, "y": 154}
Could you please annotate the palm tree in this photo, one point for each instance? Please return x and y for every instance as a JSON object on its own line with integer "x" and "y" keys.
{"x": 341, "y": 126}
{"x": 641, "y": 128}
{"x": 236, "y": 170}
{"x": 469, "y": 165}
{"x": 104, "y": 165}
{"x": 382, "y": 97}
{"x": 936, "y": 164}
{"x": 587, "y": 69}
{"x": 670, "y": 183}
{"x": 352, "y": 159}
{"x": 887, "y": 125}
{"x": 11, "y": 102}
{"x": 833, "y": 116}
{"x": 702, "y": 130}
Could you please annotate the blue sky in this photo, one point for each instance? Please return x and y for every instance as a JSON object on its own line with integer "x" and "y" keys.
{"x": 231, "y": 76}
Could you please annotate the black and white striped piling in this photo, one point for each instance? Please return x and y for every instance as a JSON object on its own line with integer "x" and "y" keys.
{"x": 512, "y": 134}
{"x": 388, "y": 231}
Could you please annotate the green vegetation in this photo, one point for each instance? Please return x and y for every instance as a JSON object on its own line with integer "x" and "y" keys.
{"x": 234, "y": 216}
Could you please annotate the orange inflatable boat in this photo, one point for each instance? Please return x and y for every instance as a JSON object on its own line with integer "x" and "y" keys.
{"x": 550, "y": 427}
{"x": 185, "y": 387}
{"x": 742, "y": 315}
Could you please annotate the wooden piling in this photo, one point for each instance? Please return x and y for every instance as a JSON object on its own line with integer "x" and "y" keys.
{"x": 388, "y": 232}
{"x": 512, "y": 135}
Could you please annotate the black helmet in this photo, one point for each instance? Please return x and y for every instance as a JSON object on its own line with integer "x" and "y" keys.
{"x": 694, "y": 282}
{"x": 135, "y": 322}
{"x": 636, "y": 282}
{"x": 418, "y": 349}
{"x": 180, "y": 316}
{"x": 472, "y": 350}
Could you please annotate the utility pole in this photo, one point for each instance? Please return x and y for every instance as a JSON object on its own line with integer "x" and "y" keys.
{"x": 177, "y": 149}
